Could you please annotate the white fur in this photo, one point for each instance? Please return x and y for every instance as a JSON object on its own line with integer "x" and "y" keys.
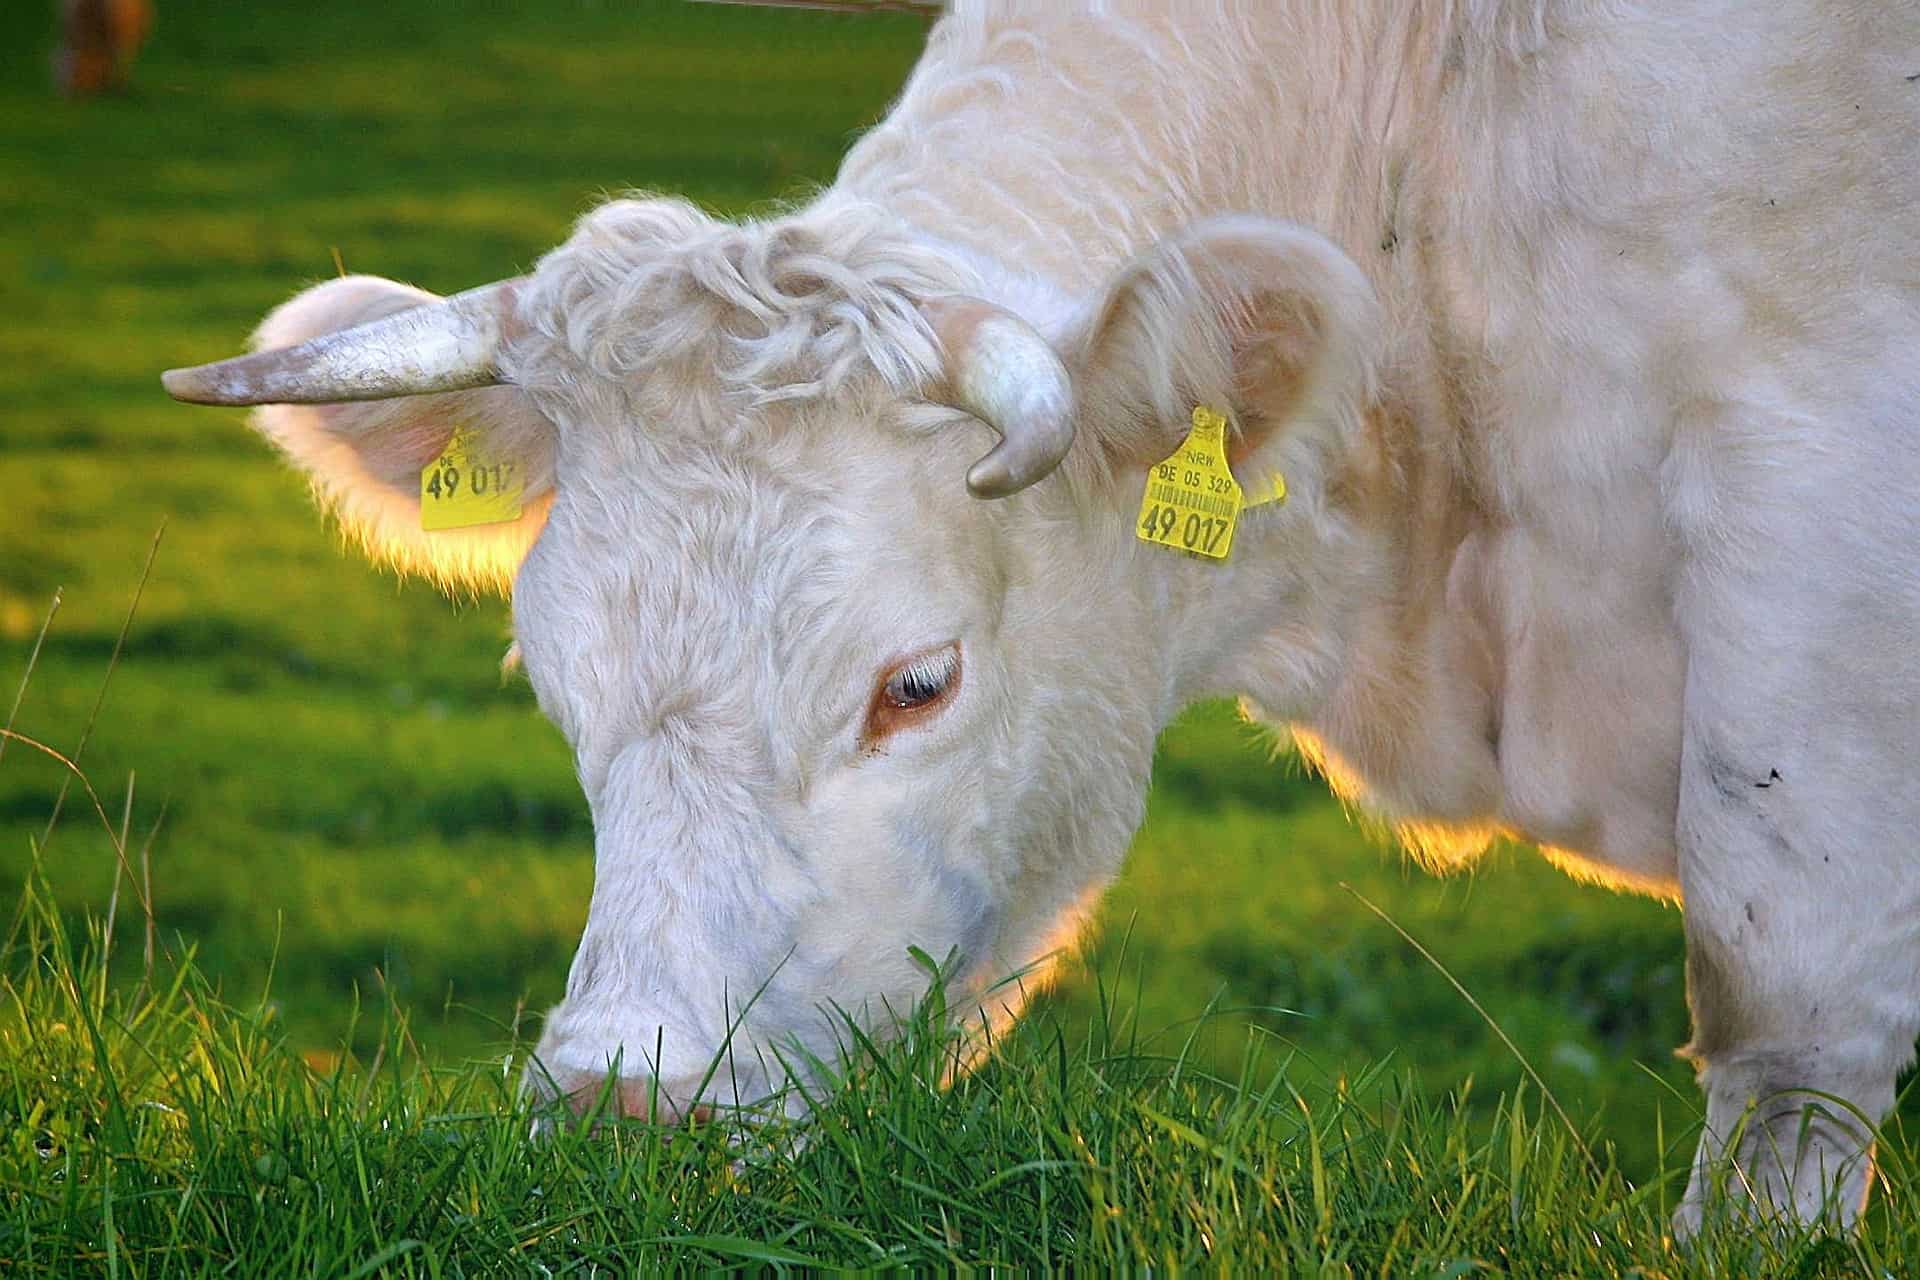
{"x": 1593, "y": 385}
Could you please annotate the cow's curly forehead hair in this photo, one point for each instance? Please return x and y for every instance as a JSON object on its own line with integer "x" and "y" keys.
{"x": 793, "y": 308}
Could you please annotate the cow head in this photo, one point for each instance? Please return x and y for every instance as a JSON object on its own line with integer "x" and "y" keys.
{"x": 845, "y": 676}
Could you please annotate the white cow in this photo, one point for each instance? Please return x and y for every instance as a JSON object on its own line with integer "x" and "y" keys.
{"x": 1584, "y": 333}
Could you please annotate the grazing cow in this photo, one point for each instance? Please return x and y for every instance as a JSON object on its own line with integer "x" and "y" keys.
{"x": 1582, "y": 333}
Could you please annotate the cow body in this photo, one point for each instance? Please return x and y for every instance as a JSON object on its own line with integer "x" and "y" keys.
{"x": 1641, "y": 567}
{"x": 1591, "y": 248}
{"x": 1582, "y": 334}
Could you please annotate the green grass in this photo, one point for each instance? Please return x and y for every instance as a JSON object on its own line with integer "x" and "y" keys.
{"x": 335, "y": 785}
{"x": 158, "y": 1130}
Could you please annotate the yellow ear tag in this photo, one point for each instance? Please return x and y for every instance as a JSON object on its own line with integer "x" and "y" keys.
{"x": 463, "y": 486}
{"x": 1192, "y": 502}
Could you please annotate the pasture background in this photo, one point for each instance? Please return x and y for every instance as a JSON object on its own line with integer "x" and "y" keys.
{"x": 354, "y": 799}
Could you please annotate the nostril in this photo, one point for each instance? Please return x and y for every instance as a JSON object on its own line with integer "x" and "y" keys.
{"x": 628, "y": 1098}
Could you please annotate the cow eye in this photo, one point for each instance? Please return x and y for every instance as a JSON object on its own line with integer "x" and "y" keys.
{"x": 920, "y": 680}
{"x": 912, "y": 689}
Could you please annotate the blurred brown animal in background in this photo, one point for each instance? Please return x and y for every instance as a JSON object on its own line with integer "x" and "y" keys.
{"x": 98, "y": 39}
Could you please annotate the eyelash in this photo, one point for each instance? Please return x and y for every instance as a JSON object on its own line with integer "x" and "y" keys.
{"x": 921, "y": 680}
{"x": 909, "y": 692}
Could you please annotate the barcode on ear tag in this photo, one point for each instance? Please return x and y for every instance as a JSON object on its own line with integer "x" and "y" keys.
{"x": 464, "y": 486}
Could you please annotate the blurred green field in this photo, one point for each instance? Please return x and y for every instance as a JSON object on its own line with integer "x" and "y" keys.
{"x": 345, "y": 790}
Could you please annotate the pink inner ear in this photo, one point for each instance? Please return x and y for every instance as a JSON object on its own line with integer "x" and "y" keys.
{"x": 421, "y": 445}
{"x": 413, "y": 443}
{"x": 1241, "y": 443}
{"x": 1278, "y": 338}
{"x": 365, "y": 460}
{"x": 1271, "y": 363}
{"x": 391, "y": 442}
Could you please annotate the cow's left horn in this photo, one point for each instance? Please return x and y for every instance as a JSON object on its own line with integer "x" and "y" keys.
{"x": 448, "y": 345}
{"x": 1005, "y": 374}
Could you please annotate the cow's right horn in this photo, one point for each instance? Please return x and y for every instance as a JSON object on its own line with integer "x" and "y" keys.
{"x": 448, "y": 345}
{"x": 1000, "y": 370}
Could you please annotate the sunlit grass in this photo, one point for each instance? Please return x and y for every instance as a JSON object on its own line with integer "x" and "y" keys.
{"x": 153, "y": 1127}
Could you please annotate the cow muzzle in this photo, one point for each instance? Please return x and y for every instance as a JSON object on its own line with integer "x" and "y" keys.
{"x": 565, "y": 1094}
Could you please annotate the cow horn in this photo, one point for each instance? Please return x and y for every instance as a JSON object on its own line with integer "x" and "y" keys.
{"x": 448, "y": 345}
{"x": 1005, "y": 374}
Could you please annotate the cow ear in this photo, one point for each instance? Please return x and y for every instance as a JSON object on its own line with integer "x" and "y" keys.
{"x": 1265, "y": 320}
{"x": 365, "y": 458}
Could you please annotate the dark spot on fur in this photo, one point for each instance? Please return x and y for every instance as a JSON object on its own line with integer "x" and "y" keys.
{"x": 1734, "y": 786}
{"x": 1723, "y": 776}
{"x": 1749, "y": 911}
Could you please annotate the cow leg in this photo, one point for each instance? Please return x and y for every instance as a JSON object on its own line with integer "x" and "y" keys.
{"x": 1798, "y": 817}
{"x": 1803, "y": 971}
{"x": 1796, "y": 1060}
